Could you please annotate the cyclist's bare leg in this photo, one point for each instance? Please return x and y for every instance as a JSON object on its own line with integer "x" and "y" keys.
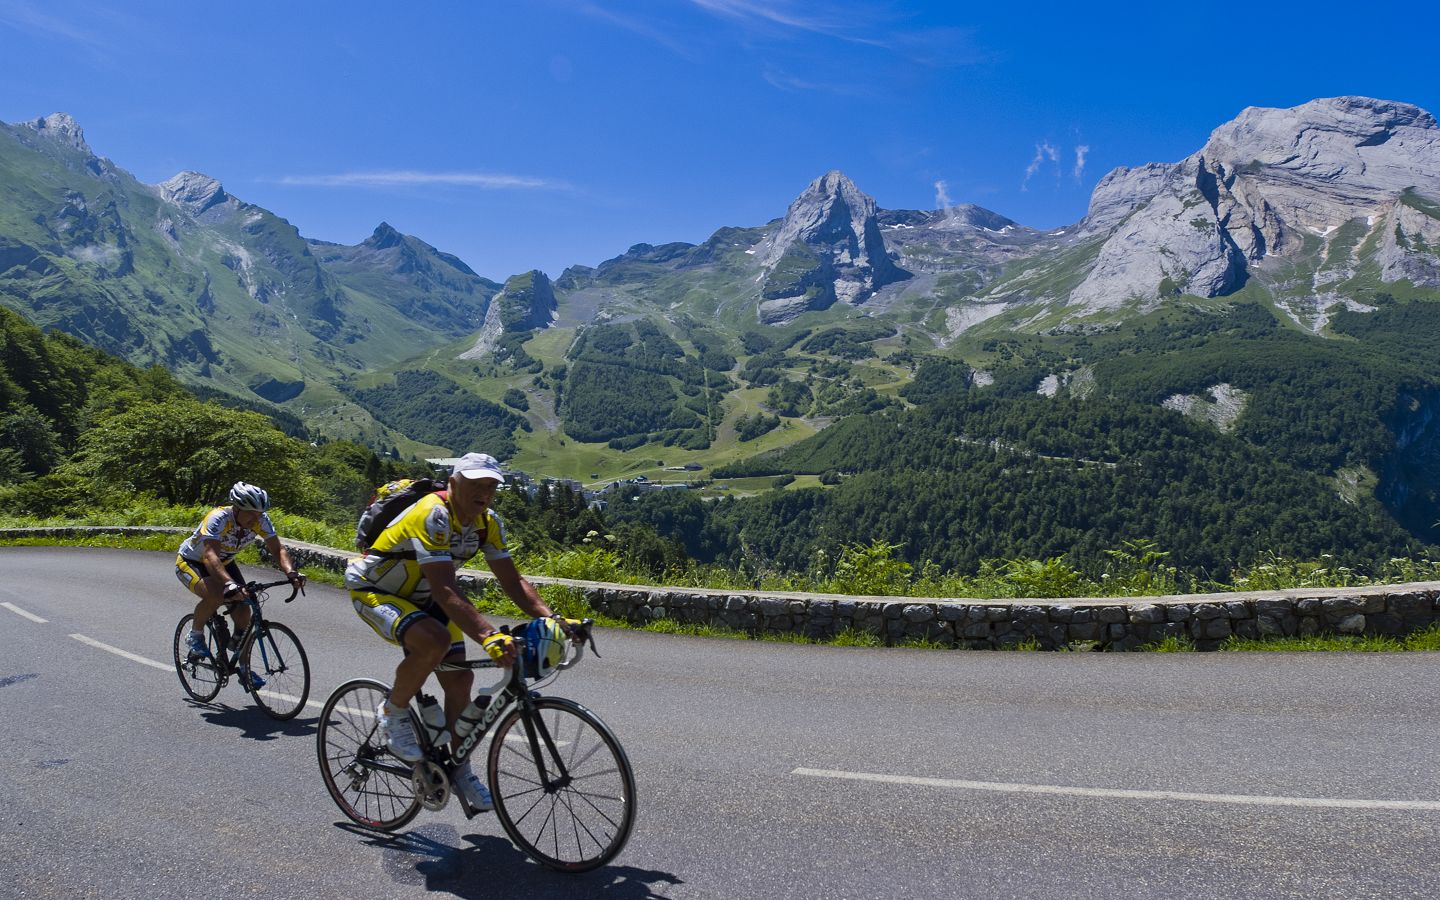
{"x": 456, "y": 686}
{"x": 212, "y": 595}
{"x": 241, "y": 614}
{"x": 427, "y": 642}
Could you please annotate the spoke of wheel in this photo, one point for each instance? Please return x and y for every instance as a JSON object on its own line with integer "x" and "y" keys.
{"x": 579, "y": 823}
{"x": 604, "y": 815}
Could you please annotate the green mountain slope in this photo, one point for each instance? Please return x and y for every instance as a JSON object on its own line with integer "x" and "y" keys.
{"x": 225, "y": 294}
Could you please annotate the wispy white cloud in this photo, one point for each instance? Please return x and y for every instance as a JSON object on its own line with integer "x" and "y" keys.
{"x": 865, "y": 24}
{"x": 1081, "y": 151}
{"x": 847, "y": 25}
{"x": 786, "y": 82}
{"x": 1043, "y": 151}
{"x": 401, "y": 178}
{"x": 28, "y": 18}
{"x": 638, "y": 26}
{"x": 942, "y": 197}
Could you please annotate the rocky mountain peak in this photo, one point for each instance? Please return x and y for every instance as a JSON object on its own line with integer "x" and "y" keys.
{"x": 827, "y": 248}
{"x": 1267, "y": 184}
{"x": 384, "y": 237}
{"x": 62, "y": 128}
{"x": 828, "y": 208}
{"x": 1375, "y": 147}
{"x": 193, "y": 191}
{"x": 1121, "y": 191}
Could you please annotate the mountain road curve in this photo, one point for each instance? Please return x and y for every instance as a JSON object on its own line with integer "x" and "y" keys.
{"x": 764, "y": 769}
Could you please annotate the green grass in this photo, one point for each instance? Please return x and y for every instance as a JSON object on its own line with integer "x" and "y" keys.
{"x": 1171, "y": 645}
{"x": 690, "y": 629}
{"x": 1428, "y": 639}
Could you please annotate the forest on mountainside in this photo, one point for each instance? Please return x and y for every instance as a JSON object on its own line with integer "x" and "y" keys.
{"x": 431, "y": 408}
{"x": 974, "y": 473}
{"x": 631, "y": 384}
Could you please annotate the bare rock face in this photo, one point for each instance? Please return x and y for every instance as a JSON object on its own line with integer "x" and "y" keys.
{"x": 1171, "y": 246}
{"x": 1258, "y": 188}
{"x": 62, "y": 128}
{"x": 1410, "y": 242}
{"x": 527, "y": 301}
{"x": 828, "y": 248}
{"x": 1121, "y": 191}
{"x": 194, "y": 191}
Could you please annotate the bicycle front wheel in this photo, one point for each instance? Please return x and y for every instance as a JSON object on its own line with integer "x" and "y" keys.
{"x": 562, "y": 784}
{"x": 369, "y": 785}
{"x": 200, "y": 677}
{"x": 278, "y": 657}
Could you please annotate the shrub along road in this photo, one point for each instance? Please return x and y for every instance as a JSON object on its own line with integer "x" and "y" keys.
{"x": 764, "y": 769}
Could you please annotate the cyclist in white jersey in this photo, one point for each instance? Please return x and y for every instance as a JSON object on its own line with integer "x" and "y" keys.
{"x": 206, "y": 561}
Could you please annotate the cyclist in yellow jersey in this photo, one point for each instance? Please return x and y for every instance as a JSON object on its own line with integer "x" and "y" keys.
{"x": 404, "y": 588}
{"x": 206, "y": 561}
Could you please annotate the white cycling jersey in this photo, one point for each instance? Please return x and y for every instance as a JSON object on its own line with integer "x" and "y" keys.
{"x": 220, "y": 526}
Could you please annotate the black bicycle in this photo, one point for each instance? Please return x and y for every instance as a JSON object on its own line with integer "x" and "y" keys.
{"x": 562, "y": 785}
{"x": 266, "y": 648}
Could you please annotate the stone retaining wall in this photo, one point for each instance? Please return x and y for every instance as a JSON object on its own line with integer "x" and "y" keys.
{"x": 1088, "y": 623}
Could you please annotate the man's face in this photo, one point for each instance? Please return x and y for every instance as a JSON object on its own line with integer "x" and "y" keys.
{"x": 249, "y": 519}
{"x": 472, "y": 496}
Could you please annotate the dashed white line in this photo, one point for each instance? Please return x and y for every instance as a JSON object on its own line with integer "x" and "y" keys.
{"x": 125, "y": 653}
{"x": 1114, "y": 793}
{"x": 291, "y": 698}
{"x": 20, "y": 612}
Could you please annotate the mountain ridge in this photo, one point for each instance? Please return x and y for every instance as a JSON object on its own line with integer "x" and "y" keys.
{"x": 1311, "y": 210}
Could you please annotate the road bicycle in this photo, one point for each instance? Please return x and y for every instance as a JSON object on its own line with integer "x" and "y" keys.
{"x": 563, "y": 787}
{"x": 281, "y": 660}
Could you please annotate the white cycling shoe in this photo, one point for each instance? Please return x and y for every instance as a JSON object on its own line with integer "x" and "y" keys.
{"x": 399, "y": 735}
{"x": 473, "y": 790}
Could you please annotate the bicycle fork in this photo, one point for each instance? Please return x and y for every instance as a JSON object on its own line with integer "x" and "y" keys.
{"x": 535, "y": 732}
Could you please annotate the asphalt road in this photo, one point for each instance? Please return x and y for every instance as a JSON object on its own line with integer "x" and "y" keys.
{"x": 764, "y": 770}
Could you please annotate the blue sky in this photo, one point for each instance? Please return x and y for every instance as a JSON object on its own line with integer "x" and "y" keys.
{"x": 544, "y": 133}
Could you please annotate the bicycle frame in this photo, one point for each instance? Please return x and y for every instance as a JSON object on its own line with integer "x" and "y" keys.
{"x": 513, "y": 692}
{"x": 230, "y": 661}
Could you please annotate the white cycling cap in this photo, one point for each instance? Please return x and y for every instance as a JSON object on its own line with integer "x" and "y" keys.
{"x": 477, "y": 465}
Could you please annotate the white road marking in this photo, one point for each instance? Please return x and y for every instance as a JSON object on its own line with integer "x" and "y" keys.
{"x": 125, "y": 653}
{"x": 1114, "y": 793}
{"x": 155, "y": 665}
{"x": 290, "y": 698}
{"x": 20, "y": 612}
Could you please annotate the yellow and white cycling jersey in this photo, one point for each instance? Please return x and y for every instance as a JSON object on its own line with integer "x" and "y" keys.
{"x": 220, "y": 526}
{"x": 426, "y": 532}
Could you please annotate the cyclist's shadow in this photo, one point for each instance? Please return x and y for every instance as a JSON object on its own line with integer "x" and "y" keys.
{"x": 254, "y": 724}
{"x": 433, "y": 856}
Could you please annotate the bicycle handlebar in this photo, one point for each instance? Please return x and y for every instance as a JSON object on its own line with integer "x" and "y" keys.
{"x": 583, "y": 635}
{"x": 296, "y": 587}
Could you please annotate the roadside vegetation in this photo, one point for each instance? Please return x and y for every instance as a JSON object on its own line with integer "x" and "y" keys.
{"x": 1139, "y": 568}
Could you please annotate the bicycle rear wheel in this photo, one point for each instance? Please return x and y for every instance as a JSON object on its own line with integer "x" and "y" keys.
{"x": 370, "y": 786}
{"x": 278, "y": 657}
{"x": 565, "y": 793}
{"x": 201, "y": 678}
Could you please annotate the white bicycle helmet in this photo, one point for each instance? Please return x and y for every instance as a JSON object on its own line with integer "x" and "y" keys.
{"x": 248, "y": 496}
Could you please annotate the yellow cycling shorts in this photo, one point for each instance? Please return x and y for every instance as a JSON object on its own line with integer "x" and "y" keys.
{"x": 391, "y": 616}
{"x": 192, "y": 574}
